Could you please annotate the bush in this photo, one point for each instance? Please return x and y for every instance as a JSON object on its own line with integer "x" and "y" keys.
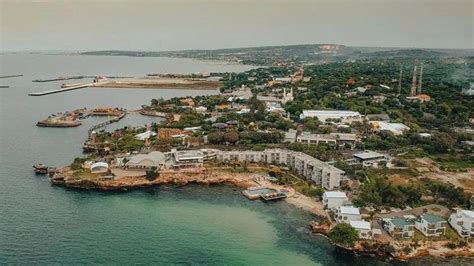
{"x": 344, "y": 234}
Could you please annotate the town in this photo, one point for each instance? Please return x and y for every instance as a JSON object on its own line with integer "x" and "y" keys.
{"x": 380, "y": 151}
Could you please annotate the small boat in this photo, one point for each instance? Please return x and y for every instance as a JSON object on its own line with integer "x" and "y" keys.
{"x": 40, "y": 169}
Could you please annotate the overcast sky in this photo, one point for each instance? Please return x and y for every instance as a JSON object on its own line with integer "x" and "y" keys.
{"x": 198, "y": 24}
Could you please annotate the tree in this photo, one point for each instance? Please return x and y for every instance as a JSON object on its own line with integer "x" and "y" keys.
{"x": 231, "y": 137}
{"x": 215, "y": 137}
{"x": 344, "y": 234}
{"x": 151, "y": 173}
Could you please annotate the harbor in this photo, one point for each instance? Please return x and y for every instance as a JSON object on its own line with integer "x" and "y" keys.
{"x": 73, "y": 118}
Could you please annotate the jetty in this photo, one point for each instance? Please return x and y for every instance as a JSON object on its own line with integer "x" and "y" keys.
{"x": 78, "y": 86}
{"x": 11, "y": 76}
{"x": 264, "y": 193}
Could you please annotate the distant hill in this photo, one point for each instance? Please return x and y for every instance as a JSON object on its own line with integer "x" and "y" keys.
{"x": 300, "y": 54}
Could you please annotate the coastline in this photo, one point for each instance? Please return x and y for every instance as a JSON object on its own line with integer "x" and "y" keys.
{"x": 203, "y": 176}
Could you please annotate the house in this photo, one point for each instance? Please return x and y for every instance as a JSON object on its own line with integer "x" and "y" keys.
{"x": 371, "y": 158}
{"x": 463, "y": 222}
{"x": 344, "y": 214}
{"x": 431, "y": 225}
{"x": 399, "y": 227}
{"x": 363, "y": 228}
{"x": 334, "y": 199}
{"x": 323, "y": 115}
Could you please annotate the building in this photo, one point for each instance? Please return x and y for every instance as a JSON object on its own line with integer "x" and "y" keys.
{"x": 463, "y": 222}
{"x": 99, "y": 168}
{"x": 399, "y": 227}
{"x": 396, "y": 128}
{"x": 144, "y": 161}
{"x": 371, "y": 158}
{"x": 308, "y": 138}
{"x": 334, "y": 199}
{"x": 431, "y": 225}
{"x": 332, "y": 138}
{"x": 145, "y": 135}
{"x": 345, "y": 214}
{"x": 363, "y": 228}
{"x": 323, "y": 115}
{"x": 328, "y": 176}
{"x": 290, "y": 136}
{"x": 188, "y": 158}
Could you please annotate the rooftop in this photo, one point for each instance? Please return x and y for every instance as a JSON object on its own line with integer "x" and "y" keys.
{"x": 368, "y": 155}
{"x": 335, "y": 194}
{"x": 401, "y": 222}
{"x": 349, "y": 210}
{"x": 360, "y": 225}
{"x": 187, "y": 155}
{"x": 432, "y": 219}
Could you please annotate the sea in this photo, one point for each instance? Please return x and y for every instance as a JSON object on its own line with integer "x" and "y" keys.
{"x": 166, "y": 225}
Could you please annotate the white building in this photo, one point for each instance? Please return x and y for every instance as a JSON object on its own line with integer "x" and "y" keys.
{"x": 323, "y": 115}
{"x": 99, "y": 168}
{"x": 463, "y": 222}
{"x": 308, "y": 138}
{"x": 363, "y": 228}
{"x": 371, "y": 158}
{"x": 188, "y": 158}
{"x": 144, "y": 161}
{"x": 431, "y": 225}
{"x": 290, "y": 136}
{"x": 328, "y": 176}
{"x": 145, "y": 135}
{"x": 344, "y": 214}
{"x": 396, "y": 128}
{"x": 334, "y": 199}
{"x": 399, "y": 227}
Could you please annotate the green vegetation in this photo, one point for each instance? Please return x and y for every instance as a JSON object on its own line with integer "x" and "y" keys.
{"x": 344, "y": 234}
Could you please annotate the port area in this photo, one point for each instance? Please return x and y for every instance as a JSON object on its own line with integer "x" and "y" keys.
{"x": 265, "y": 193}
{"x": 73, "y": 118}
{"x": 147, "y": 82}
{"x": 161, "y": 81}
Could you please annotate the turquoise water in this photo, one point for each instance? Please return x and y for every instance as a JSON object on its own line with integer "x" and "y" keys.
{"x": 43, "y": 224}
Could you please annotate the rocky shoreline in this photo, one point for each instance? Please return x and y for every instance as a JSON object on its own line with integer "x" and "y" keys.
{"x": 206, "y": 177}
{"x": 386, "y": 250}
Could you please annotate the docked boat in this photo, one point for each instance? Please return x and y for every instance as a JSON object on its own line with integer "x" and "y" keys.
{"x": 40, "y": 169}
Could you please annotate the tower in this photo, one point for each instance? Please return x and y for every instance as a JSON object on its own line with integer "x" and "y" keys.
{"x": 400, "y": 81}
{"x": 421, "y": 78}
{"x": 413, "y": 83}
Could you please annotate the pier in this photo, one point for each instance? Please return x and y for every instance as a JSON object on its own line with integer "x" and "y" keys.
{"x": 11, "y": 76}
{"x": 80, "y": 86}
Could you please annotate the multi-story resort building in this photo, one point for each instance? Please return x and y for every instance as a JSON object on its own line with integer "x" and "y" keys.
{"x": 332, "y": 138}
{"x": 431, "y": 225}
{"x": 463, "y": 222}
{"x": 328, "y": 176}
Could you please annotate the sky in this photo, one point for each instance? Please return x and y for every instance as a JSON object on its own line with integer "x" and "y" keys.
{"x": 162, "y": 25}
